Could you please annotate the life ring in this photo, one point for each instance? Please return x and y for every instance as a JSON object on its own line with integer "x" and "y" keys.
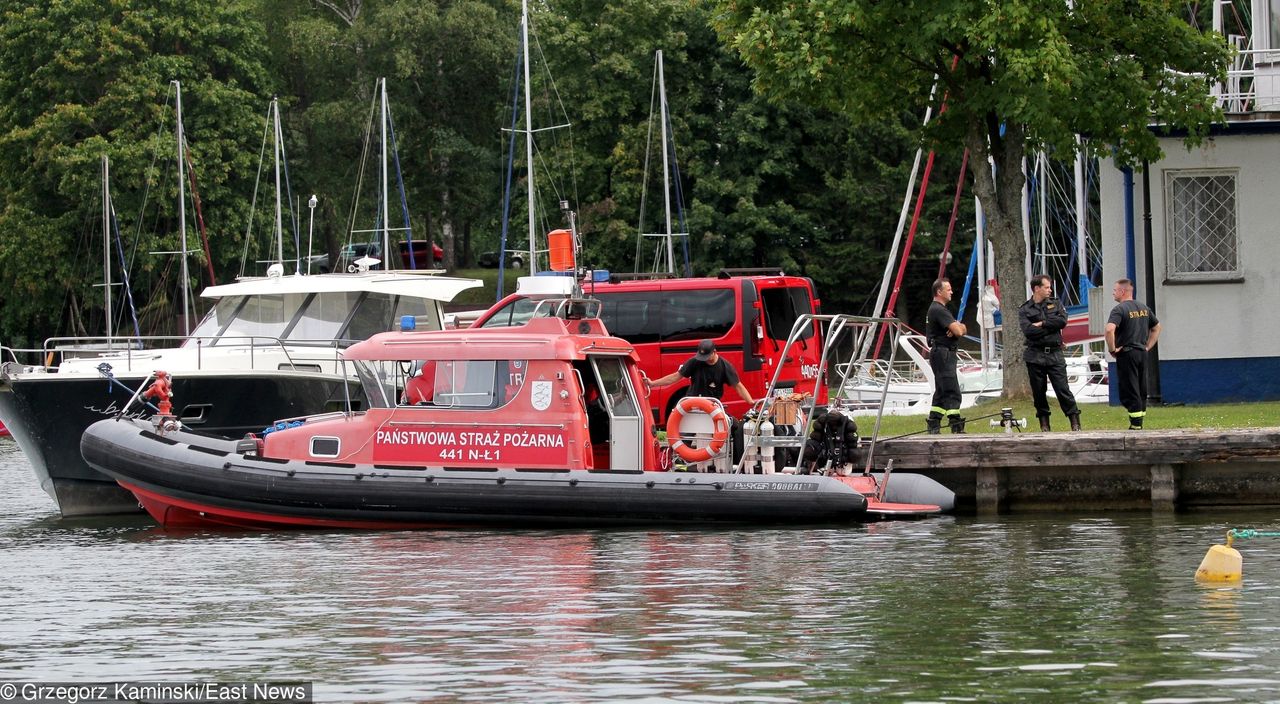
{"x": 719, "y": 432}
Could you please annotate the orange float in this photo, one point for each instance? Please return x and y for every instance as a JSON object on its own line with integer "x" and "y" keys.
{"x": 719, "y": 433}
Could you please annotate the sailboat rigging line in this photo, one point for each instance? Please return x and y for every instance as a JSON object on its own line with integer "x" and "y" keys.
{"x": 288, "y": 189}
{"x": 253, "y": 201}
{"x": 404, "y": 203}
{"x": 573, "y": 170}
{"x": 124, "y": 272}
{"x": 915, "y": 219}
{"x": 195, "y": 203}
{"x": 648, "y": 150}
{"x": 955, "y": 210}
{"x": 360, "y": 171}
{"x": 146, "y": 191}
{"x": 968, "y": 278}
{"x": 911, "y": 236}
{"x": 902, "y": 222}
{"x": 679, "y": 189}
{"x": 506, "y": 191}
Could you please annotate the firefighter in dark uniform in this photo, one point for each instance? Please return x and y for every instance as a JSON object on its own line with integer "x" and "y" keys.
{"x": 1132, "y": 330}
{"x": 709, "y": 374}
{"x": 1042, "y": 319}
{"x": 944, "y": 333}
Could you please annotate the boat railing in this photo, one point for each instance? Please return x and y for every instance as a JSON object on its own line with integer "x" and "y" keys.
{"x": 20, "y": 356}
{"x": 836, "y": 330}
{"x": 59, "y": 349}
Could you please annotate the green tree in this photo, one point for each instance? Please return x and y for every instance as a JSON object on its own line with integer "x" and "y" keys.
{"x": 443, "y": 60}
{"x": 1016, "y": 75}
{"x": 766, "y": 184}
{"x": 80, "y": 79}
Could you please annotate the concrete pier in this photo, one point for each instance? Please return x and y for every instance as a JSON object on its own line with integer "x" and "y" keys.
{"x": 1161, "y": 470}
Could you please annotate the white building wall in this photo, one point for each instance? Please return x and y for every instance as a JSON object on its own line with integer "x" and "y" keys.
{"x": 1207, "y": 320}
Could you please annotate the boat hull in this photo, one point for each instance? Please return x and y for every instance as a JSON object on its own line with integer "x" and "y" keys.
{"x": 46, "y": 415}
{"x": 191, "y": 480}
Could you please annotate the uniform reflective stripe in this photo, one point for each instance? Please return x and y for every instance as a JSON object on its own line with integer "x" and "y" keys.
{"x": 953, "y": 412}
{"x": 939, "y": 410}
{"x": 1137, "y": 414}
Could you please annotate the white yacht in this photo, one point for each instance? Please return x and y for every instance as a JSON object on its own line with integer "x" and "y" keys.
{"x": 268, "y": 349}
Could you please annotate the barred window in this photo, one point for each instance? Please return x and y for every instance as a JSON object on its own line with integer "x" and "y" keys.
{"x": 1200, "y": 222}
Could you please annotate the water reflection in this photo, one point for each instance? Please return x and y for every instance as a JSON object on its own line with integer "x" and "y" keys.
{"x": 1048, "y": 608}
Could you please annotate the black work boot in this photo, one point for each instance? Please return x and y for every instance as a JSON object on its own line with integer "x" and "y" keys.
{"x": 1044, "y": 424}
{"x": 1135, "y": 423}
{"x": 957, "y": 425}
{"x": 1075, "y": 421}
{"x": 934, "y": 423}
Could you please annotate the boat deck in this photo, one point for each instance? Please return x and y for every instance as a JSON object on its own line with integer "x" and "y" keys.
{"x": 1098, "y": 470}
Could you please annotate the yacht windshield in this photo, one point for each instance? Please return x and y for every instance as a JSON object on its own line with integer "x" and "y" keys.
{"x": 214, "y": 320}
{"x": 262, "y": 317}
{"x": 345, "y": 316}
{"x": 324, "y": 316}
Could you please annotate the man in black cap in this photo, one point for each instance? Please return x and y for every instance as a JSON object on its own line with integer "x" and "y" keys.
{"x": 708, "y": 375}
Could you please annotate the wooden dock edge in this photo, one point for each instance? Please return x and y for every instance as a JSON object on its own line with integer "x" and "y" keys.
{"x": 1158, "y": 470}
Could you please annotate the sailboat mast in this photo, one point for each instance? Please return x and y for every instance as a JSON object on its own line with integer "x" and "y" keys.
{"x": 528, "y": 137}
{"x": 386, "y": 210}
{"x": 182, "y": 211}
{"x": 1082, "y": 222}
{"x": 275, "y": 126}
{"x": 666, "y": 167}
{"x": 106, "y": 242}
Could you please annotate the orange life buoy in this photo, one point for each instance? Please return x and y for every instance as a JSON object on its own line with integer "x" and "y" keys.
{"x": 719, "y": 432}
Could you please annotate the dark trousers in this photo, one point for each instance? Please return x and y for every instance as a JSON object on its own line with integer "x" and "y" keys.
{"x": 946, "y": 385}
{"x": 1045, "y": 369}
{"x": 1131, "y": 367}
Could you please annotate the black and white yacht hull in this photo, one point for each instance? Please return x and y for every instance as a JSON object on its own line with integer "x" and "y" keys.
{"x": 47, "y": 414}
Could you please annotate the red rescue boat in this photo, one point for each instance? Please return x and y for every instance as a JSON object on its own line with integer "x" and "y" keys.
{"x": 541, "y": 424}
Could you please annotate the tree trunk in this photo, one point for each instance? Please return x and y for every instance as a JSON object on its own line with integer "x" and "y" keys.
{"x": 468, "y": 257}
{"x": 1001, "y": 198}
{"x": 446, "y": 222}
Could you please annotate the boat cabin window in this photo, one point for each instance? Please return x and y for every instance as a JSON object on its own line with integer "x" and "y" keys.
{"x": 618, "y": 395}
{"x": 518, "y": 312}
{"x": 262, "y": 317}
{"x": 216, "y": 319}
{"x": 465, "y": 384}
{"x": 422, "y": 308}
{"x": 379, "y": 312}
{"x": 324, "y": 316}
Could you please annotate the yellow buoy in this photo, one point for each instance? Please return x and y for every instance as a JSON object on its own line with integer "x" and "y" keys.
{"x": 1221, "y": 564}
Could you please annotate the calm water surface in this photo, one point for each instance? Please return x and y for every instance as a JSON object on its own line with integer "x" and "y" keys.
{"x": 1042, "y": 608}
